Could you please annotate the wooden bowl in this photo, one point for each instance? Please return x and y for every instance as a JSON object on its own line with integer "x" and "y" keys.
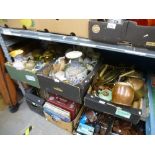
{"x": 123, "y": 93}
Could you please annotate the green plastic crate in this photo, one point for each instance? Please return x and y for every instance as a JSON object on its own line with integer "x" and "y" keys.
{"x": 25, "y": 76}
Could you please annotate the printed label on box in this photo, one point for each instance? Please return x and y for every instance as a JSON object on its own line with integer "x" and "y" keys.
{"x": 122, "y": 113}
{"x": 111, "y": 26}
{"x": 102, "y": 102}
{"x": 30, "y": 78}
{"x": 33, "y": 103}
{"x": 96, "y": 28}
{"x": 150, "y": 43}
{"x": 58, "y": 89}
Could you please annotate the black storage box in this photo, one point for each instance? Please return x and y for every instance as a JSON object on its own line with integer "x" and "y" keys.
{"x": 140, "y": 36}
{"x": 34, "y": 102}
{"x": 74, "y": 93}
{"x": 123, "y": 112}
{"x": 107, "y": 32}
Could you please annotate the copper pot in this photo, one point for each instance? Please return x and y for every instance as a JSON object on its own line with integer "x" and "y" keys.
{"x": 123, "y": 93}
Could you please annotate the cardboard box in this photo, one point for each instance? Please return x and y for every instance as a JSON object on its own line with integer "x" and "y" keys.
{"x": 64, "y": 125}
{"x": 106, "y": 124}
{"x": 25, "y": 76}
{"x": 107, "y": 32}
{"x": 18, "y": 23}
{"x": 129, "y": 33}
{"x": 78, "y": 27}
{"x": 74, "y": 93}
{"x": 140, "y": 36}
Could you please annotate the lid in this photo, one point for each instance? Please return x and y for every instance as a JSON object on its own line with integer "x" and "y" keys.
{"x": 73, "y": 54}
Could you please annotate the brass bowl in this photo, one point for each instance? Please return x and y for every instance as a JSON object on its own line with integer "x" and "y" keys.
{"x": 48, "y": 56}
{"x": 123, "y": 93}
{"x": 137, "y": 104}
{"x": 36, "y": 54}
{"x": 138, "y": 85}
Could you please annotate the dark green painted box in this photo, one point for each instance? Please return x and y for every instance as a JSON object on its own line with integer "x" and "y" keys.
{"x": 25, "y": 76}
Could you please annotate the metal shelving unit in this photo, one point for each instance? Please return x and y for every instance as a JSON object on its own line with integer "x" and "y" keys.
{"x": 78, "y": 41}
{"x": 73, "y": 40}
{"x": 11, "y": 41}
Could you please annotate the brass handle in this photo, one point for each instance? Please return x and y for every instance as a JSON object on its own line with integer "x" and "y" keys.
{"x": 125, "y": 74}
{"x": 103, "y": 70}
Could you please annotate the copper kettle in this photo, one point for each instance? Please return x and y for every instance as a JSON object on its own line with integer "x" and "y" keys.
{"x": 123, "y": 93}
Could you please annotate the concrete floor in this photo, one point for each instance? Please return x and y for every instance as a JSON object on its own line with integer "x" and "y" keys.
{"x": 16, "y": 123}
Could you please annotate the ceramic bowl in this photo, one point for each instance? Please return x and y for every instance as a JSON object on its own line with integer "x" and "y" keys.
{"x": 74, "y": 75}
{"x": 30, "y": 65}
